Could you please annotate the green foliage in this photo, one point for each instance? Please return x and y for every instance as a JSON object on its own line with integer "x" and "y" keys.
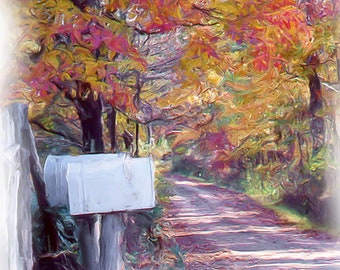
{"x": 163, "y": 191}
{"x": 260, "y": 185}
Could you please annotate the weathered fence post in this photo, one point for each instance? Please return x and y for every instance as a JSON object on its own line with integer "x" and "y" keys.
{"x": 15, "y": 189}
{"x": 88, "y": 235}
{"x": 111, "y": 241}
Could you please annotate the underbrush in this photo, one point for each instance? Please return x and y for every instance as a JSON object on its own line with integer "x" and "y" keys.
{"x": 148, "y": 243}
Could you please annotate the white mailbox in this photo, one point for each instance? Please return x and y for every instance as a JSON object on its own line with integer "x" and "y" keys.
{"x": 100, "y": 183}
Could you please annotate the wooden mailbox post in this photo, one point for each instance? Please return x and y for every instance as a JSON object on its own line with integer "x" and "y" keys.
{"x": 100, "y": 184}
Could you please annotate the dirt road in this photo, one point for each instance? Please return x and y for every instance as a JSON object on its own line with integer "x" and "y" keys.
{"x": 222, "y": 229}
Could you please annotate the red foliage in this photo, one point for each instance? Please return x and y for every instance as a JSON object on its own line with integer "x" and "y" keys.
{"x": 214, "y": 141}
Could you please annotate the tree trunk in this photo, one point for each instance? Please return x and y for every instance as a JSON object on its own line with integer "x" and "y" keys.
{"x": 336, "y": 186}
{"x": 315, "y": 103}
{"x": 89, "y": 109}
{"x": 149, "y": 130}
{"x": 317, "y": 123}
{"x": 338, "y": 62}
{"x": 111, "y": 125}
{"x": 90, "y": 115}
{"x": 136, "y": 154}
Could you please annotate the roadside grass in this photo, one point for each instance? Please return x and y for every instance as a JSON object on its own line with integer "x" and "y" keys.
{"x": 291, "y": 216}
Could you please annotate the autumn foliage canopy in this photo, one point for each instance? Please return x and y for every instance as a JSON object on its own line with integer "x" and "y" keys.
{"x": 224, "y": 83}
